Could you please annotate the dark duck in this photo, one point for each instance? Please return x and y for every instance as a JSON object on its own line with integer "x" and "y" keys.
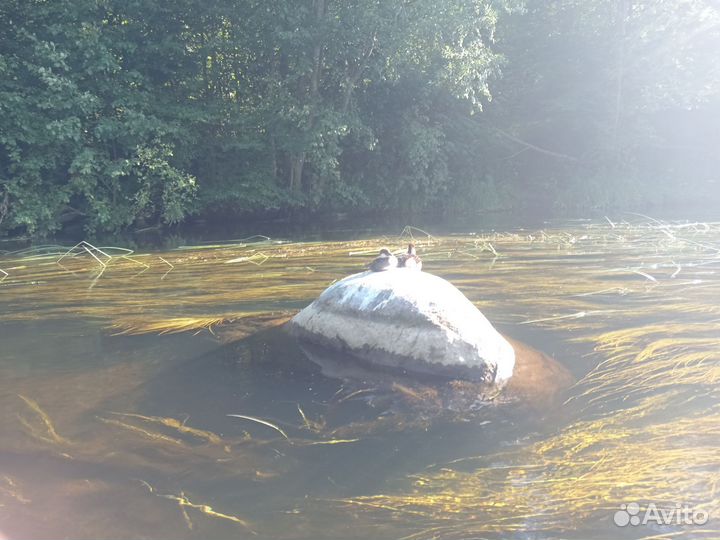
{"x": 410, "y": 259}
{"x": 384, "y": 261}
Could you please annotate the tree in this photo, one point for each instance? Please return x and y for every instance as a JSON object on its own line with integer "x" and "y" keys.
{"x": 582, "y": 113}
{"x": 79, "y": 131}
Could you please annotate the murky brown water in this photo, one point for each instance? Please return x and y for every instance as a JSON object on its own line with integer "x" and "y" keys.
{"x": 118, "y": 372}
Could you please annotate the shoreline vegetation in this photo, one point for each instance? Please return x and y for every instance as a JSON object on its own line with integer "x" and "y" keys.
{"x": 117, "y": 117}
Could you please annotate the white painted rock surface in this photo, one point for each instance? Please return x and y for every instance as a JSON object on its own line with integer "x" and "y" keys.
{"x": 410, "y": 320}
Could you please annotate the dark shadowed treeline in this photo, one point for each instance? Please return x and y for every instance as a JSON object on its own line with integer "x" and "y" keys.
{"x": 126, "y": 114}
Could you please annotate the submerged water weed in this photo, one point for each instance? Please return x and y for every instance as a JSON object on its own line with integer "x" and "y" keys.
{"x": 647, "y": 416}
{"x": 644, "y": 419}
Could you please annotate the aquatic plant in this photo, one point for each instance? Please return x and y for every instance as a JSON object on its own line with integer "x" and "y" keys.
{"x": 642, "y": 424}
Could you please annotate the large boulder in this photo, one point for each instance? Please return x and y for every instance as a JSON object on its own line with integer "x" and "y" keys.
{"x": 408, "y": 320}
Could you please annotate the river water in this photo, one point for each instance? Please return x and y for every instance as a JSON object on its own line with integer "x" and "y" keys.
{"x": 119, "y": 370}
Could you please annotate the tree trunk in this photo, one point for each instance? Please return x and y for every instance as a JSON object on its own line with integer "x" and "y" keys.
{"x": 297, "y": 162}
{"x": 273, "y": 159}
{"x": 317, "y": 51}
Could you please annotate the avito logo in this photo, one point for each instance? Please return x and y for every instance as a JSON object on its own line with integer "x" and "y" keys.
{"x": 632, "y": 514}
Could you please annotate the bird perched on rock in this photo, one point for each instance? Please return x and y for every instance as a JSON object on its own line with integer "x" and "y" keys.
{"x": 410, "y": 259}
{"x": 384, "y": 261}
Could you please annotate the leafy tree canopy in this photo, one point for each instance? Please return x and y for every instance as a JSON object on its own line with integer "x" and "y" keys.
{"x": 125, "y": 114}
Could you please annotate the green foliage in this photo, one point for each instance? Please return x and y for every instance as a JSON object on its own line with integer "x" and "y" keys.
{"x": 82, "y": 136}
{"x": 120, "y": 114}
{"x": 614, "y": 98}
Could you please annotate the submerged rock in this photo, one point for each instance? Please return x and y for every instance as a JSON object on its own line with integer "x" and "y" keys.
{"x": 408, "y": 320}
